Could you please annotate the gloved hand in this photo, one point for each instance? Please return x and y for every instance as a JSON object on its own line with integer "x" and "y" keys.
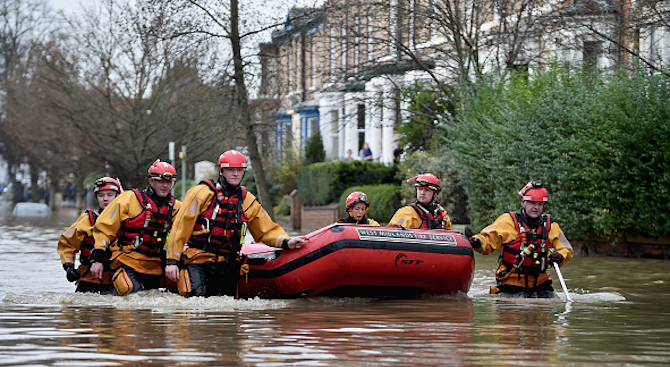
{"x": 71, "y": 273}
{"x": 557, "y": 258}
{"x": 475, "y": 242}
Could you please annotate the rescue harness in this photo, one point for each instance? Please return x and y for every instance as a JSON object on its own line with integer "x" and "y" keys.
{"x": 88, "y": 242}
{"x": 432, "y": 217}
{"x": 221, "y": 228}
{"x": 528, "y": 253}
{"x": 146, "y": 233}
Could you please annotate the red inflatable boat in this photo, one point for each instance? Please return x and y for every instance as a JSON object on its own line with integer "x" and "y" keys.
{"x": 361, "y": 261}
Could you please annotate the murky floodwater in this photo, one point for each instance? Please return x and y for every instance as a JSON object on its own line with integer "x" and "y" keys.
{"x": 620, "y": 317}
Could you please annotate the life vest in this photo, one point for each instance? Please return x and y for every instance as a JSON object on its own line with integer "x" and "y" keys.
{"x": 429, "y": 220}
{"x": 146, "y": 232}
{"x": 535, "y": 243}
{"x": 219, "y": 229}
{"x": 350, "y": 219}
{"x": 88, "y": 242}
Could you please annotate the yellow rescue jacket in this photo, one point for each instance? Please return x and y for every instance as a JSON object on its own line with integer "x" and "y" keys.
{"x": 503, "y": 231}
{"x": 197, "y": 200}
{"x": 408, "y": 217}
{"x": 70, "y": 243}
{"x": 126, "y": 206}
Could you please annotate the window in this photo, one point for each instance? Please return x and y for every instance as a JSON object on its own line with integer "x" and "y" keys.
{"x": 360, "y": 112}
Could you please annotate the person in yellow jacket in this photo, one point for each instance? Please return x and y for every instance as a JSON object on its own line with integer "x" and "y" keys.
{"x": 140, "y": 220}
{"x": 530, "y": 242}
{"x": 78, "y": 238}
{"x": 357, "y": 206}
{"x": 204, "y": 245}
{"x": 424, "y": 213}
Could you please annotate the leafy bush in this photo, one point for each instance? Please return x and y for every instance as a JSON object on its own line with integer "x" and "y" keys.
{"x": 284, "y": 206}
{"x": 602, "y": 148}
{"x": 384, "y": 201}
{"x": 323, "y": 183}
{"x": 285, "y": 173}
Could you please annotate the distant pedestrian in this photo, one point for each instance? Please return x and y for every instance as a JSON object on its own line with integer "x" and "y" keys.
{"x": 348, "y": 158}
{"x": 366, "y": 153}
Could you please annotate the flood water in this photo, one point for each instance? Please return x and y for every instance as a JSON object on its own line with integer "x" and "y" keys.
{"x": 620, "y": 317}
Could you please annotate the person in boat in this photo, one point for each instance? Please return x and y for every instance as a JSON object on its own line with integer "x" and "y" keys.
{"x": 424, "y": 213}
{"x": 141, "y": 220}
{"x": 357, "y": 206}
{"x": 203, "y": 252}
{"x": 78, "y": 238}
{"x": 530, "y": 242}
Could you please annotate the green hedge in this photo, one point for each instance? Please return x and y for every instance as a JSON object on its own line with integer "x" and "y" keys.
{"x": 384, "y": 201}
{"x": 600, "y": 145}
{"x": 323, "y": 183}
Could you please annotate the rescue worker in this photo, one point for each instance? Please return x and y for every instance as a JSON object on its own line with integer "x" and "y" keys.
{"x": 141, "y": 219}
{"x": 530, "y": 242}
{"x": 78, "y": 238}
{"x": 357, "y": 206}
{"x": 424, "y": 213}
{"x": 204, "y": 246}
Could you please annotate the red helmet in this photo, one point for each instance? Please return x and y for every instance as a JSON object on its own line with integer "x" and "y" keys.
{"x": 357, "y": 197}
{"x": 162, "y": 171}
{"x": 533, "y": 191}
{"x": 427, "y": 179}
{"x": 107, "y": 183}
{"x": 232, "y": 159}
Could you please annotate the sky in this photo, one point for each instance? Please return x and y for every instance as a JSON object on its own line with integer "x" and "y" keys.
{"x": 66, "y": 5}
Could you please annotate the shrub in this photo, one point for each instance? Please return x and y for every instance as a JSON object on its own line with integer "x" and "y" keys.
{"x": 323, "y": 183}
{"x": 284, "y": 206}
{"x": 600, "y": 147}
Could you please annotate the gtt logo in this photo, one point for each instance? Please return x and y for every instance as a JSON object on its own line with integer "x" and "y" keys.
{"x": 402, "y": 259}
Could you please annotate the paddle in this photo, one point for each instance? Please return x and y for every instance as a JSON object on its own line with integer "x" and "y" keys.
{"x": 560, "y": 277}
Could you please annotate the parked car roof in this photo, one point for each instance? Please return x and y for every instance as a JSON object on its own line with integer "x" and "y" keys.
{"x": 31, "y": 210}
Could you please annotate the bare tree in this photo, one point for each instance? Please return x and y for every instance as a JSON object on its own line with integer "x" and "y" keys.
{"x": 22, "y": 25}
{"x": 134, "y": 90}
{"x": 240, "y": 30}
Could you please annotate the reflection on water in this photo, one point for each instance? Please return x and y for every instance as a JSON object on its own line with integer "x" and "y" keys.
{"x": 620, "y": 317}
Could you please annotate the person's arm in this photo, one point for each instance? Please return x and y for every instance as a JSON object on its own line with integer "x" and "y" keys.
{"x": 197, "y": 199}
{"x": 107, "y": 226}
{"x": 264, "y": 229}
{"x": 69, "y": 244}
{"x": 561, "y": 245}
{"x": 494, "y": 236}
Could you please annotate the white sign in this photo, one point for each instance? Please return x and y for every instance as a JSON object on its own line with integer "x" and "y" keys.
{"x": 203, "y": 170}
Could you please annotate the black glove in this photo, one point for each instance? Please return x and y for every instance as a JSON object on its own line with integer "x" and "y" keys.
{"x": 557, "y": 258}
{"x": 475, "y": 242}
{"x": 71, "y": 273}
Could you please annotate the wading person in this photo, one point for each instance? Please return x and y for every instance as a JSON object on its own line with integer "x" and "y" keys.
{"x": 357, "y": 206}
{"x": 78, "y": 238}
{"x": 423, "y": 213}
{"x": 141, "y": 220}
{"x": 204, "y": 245}
{"x": 530, "y": 241}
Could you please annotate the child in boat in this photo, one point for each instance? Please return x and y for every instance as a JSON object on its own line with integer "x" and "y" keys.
{"x": 78, "y": 238}
{"x": 357, "y": 205}
{"x": 424, "y": 213}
